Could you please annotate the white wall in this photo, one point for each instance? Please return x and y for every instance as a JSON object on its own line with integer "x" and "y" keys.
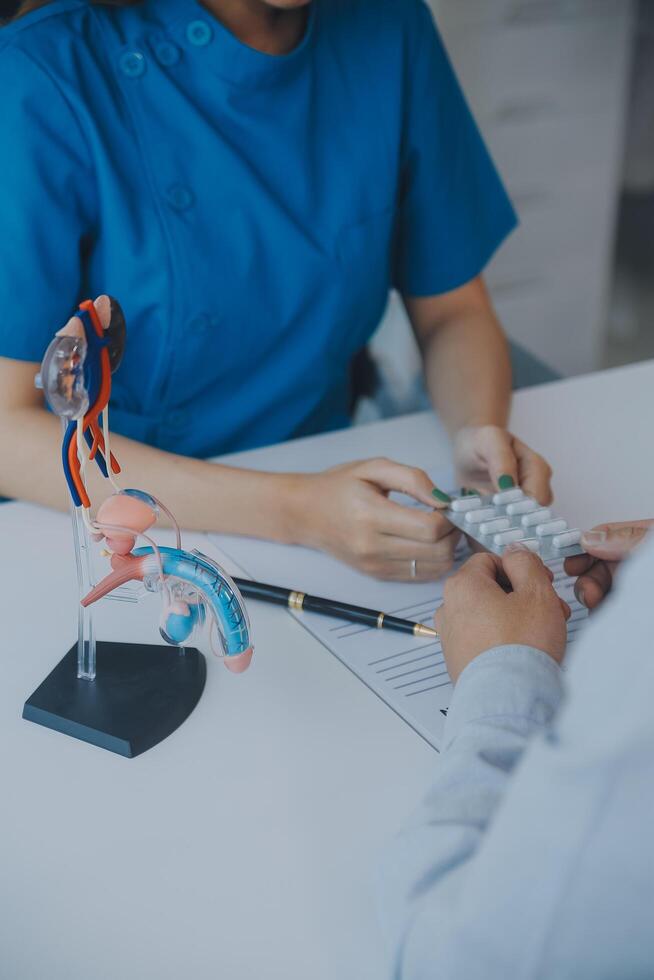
{"x": 548, "y": 82}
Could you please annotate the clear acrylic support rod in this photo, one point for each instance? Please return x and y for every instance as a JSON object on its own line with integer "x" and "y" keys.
{"x": 85, "y": 634}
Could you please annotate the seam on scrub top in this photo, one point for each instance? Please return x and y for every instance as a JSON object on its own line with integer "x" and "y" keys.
{"x": 160, "y": 401}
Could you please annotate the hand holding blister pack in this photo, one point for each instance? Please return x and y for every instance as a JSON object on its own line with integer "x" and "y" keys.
{"x": 509, "y": 517}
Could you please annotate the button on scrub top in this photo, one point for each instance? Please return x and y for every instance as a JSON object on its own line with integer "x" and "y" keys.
{"x": 249, "y": 211}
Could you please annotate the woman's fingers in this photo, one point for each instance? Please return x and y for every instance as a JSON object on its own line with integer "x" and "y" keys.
{"x": 395, "y": 519}
{"x": 392, "y": 548}
{"x": 357, "y": 522}
{"x": 484, "y": 457}
{"x": 499, "y": 456}
{"x": 389, "y": 476}
{"x": 392, "y": 557}
{"x": 491, "y": 451}
{"x": 534, "y": 473}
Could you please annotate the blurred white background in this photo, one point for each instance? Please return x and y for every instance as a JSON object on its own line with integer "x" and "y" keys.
{"x": 564, "y": 93}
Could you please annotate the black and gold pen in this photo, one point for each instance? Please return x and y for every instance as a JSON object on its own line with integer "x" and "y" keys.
{"x": 300, "y": 602}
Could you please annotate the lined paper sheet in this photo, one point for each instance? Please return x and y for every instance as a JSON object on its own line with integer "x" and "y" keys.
{"x": 407, "y": 673}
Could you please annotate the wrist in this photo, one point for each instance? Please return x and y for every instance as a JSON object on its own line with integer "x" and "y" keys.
{"x": 253, "y": 503}
{"x": 471, "y": 427}
{"x": 294, "y": 509}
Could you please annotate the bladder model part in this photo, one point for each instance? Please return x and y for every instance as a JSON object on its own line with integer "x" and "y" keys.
{"x": 76, "y": 380}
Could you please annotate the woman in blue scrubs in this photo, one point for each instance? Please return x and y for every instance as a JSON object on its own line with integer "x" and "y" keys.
{"x": 250, "y": 178}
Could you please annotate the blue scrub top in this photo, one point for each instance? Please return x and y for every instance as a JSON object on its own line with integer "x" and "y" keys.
{"x": 249, "y": 211}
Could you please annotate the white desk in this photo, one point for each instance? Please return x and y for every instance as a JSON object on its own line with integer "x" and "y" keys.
{"x": 242, "y": 847}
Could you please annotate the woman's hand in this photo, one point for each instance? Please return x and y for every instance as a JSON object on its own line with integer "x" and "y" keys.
{"x": 607, "y": 546}
{"x": 489, "y": 456}
{"x": 495, "y": 602}
{"x": 346, "y": 511}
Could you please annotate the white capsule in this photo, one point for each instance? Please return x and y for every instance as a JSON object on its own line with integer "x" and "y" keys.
{"x": 551, "y": 527}
{"x": 506, "y": 537}
{"x": 507, "y": 496}
{"x": 567, "y": 539}
{"x": 479, "y": 515}
{"x": 532, "y": 543}
{"x": 522, "y": 507}
{"x": 465, "y": 503}
{"x": 490, "y": 527}
{"x": 537, "y": 517}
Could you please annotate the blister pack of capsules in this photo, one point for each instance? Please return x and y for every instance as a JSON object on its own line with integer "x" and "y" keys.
{"x": 510, "y": 516}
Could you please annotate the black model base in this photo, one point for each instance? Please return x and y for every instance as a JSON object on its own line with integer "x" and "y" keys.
{"x": 140, "y": 695}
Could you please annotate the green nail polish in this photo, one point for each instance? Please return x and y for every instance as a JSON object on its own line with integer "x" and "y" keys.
{"x": 505, "y": 482}
{"x": 467, "y": 492}
{"x": 443, "y": 497}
